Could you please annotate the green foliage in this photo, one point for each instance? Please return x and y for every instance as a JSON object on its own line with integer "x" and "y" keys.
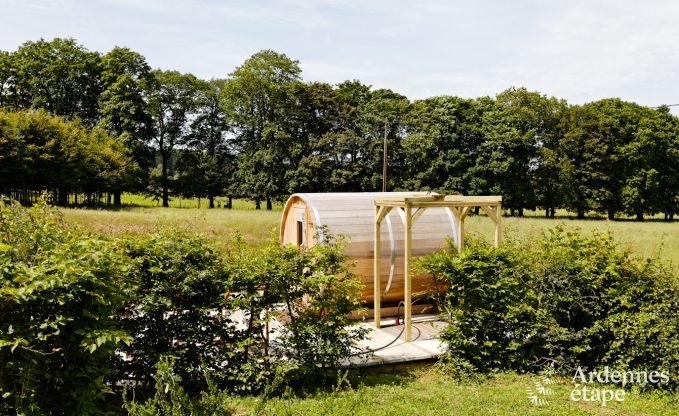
{"x": 81, "y": 315}
{"x": 175, "y": 306}
{"x": 318, "y": 294}
{"x": 311, "y": 293}
{"x": 570, "y": 301}
{"x": 39, "y": 151}
{"x": 59, "y": 294}
{"x": 59, "y": 76}
{"x": 490, "y": 309}
{"x": 261, "y": 133}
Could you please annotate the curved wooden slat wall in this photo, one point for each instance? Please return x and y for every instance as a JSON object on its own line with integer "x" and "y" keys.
{"x": 352, "y": 215}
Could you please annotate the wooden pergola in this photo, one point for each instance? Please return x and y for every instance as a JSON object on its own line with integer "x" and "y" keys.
{"x": 410, "y": 209}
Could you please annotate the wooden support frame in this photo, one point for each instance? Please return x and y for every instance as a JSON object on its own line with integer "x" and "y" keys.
{"x": 457, "y": 205}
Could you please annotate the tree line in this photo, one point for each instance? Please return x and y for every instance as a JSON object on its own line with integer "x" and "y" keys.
{"x": 262, "y": 133}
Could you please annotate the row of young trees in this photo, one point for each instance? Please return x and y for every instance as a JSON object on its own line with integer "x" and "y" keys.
{"x": 262, "y": 133}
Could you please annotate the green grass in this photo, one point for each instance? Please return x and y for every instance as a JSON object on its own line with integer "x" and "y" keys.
{"x": 217, "y": 224}
{"x": 426, "y": 392}
{"x": 139, "y": 200}
{"x": 649, "y": 239}
{"x": 653, "y": 238}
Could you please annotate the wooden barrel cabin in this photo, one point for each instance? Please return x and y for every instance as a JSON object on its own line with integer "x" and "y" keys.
{"x": 352, "y": 214}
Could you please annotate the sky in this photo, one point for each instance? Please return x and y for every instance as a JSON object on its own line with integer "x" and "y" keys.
{"x": 578, "y": 50}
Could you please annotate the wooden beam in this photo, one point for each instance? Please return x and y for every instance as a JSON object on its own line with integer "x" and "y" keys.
{"x": 498, "y": 226}
{"x": 463, "y": 212}
{"x": 490, "y": 212}
{"x": 460, "y": 234}
{"x": 418, "y": 213}
{"x": 377, "y": 291}
{"x": 406, "y": 275}
{"x": 381, "y": 213}
{"x": 437, "y": 200}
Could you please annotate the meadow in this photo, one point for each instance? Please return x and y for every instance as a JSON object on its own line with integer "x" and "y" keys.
{"x": 652, "y": 238}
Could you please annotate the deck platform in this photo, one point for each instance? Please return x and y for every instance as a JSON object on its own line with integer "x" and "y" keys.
{"x": 389, "y": 345}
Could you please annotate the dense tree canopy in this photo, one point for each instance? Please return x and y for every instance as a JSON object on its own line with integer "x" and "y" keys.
{"x": 262, "y": 133}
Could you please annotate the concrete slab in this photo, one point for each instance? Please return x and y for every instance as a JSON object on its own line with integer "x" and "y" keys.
{"x": 387, "y": 346}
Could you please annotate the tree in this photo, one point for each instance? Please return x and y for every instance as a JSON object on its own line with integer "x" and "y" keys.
{"x": 59, "y": 76}
{"x": 41, "y": 152}
{"x": 651, "y": 184}
{"x": 258, "y": 98}
{"x": 7, "y": 78}
{"x": 210, "y": 158}
{"x": 443, "y": 135}
{"x": 123, "y": 107}
{"x": 384, "y": 114}
{"x": 598, "y": 134}
{"x": 171, "y": 97}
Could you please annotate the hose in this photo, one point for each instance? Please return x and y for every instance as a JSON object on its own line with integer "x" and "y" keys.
{"x": 398, "y": 319}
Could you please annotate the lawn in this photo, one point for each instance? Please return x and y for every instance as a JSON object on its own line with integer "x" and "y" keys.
{"x": 652, "y": 238}
{"x": 426, "y": 392}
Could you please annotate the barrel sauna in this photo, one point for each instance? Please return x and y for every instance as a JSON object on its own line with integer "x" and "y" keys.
{"x": 353, "y": 215}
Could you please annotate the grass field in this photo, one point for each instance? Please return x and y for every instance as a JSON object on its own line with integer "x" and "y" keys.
{"x": 425, "y": 390}
{"x": 652, "y": 238}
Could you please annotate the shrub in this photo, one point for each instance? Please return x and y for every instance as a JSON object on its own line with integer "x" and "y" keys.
{"x": 311, "y": 293}
{"x": 58, "y": 296}
{"x": 176, "y": 307}
{"x": 571, "y": 300}
{"x": 490, "y": 307}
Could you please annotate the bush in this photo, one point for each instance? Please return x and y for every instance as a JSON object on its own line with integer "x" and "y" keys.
{"x": 490, "y": 307}
{"x": 81, "y": 314}
{"x": 59, "y": 294}
{"x": 176, "y": 307}
{"x": 569, "y": 301}
{"x": 311, "y": 292}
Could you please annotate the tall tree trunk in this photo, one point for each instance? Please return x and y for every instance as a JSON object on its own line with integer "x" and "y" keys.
{"x": 108, "y": 199}
{"x": 477, "y": 210}
{"x": 581, "y": 214}
{"x": 257, "y": 204}
{"x": 230, "y": 203}
{"x": 212, "y": 200}
{"x": 269, "y": 207}
{"x": 611, "y": 214}
{"x": 546, "y": 212}
{"x": 521, "y": 212}
{"x": 640, "y": 216}
{"x": 671, "y": 216}
{"x": 117, "y": 199}
{"x": 63, "y": 197}
{"x": 553, "y": 212}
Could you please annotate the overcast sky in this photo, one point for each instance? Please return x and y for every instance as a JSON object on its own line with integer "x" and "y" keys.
{"x": 578, "y": 50}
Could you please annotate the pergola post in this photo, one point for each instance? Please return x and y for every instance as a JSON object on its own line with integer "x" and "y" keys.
{"x": 406, "y": 273}
{"x": 377, "y": 307}
{"x": 498, "y": 226}
{"x": 460, "y": 233}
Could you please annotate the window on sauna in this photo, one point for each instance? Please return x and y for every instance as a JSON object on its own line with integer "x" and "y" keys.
{"x": 300, "y": 233}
